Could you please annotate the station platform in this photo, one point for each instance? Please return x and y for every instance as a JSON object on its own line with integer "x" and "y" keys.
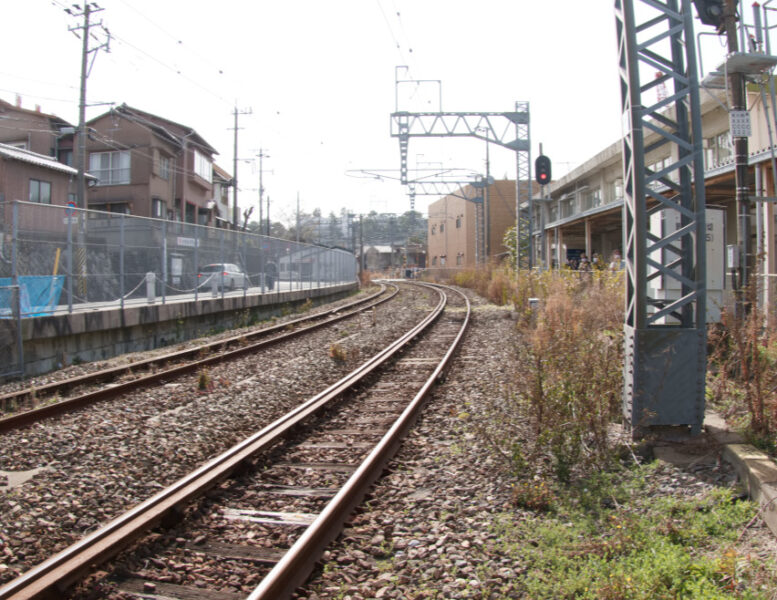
{"x": 98, "y": 331}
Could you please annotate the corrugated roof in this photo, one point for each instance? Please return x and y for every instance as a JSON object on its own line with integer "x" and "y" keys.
{"x": 40, "y": 160}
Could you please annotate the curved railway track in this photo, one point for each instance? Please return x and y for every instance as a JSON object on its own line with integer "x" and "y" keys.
{"x": 278, "y": 497}
{"x": 192, "y": 359}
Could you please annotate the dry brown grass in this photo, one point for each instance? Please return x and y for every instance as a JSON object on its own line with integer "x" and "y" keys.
{"x": 742, "y": 374}
{"x": 567, "y": 374}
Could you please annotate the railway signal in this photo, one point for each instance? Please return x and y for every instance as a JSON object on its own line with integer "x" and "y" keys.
{"x": 542, "y": 169}
{"x": 710, "y": 11}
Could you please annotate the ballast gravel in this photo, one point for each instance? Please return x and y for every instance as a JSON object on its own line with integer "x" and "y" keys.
{"x": 427, "y": 530}
{"x": 90, "y": 465}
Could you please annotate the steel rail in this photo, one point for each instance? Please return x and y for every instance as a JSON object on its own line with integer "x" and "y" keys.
{"x": 31, "y": 416}
{"x": 298, "y": 562}
{"x": 114, "y": 372}
{"x": 58, "y": 572}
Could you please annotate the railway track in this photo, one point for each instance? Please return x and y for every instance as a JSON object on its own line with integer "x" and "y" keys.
{"x": 113, "y": 382}
{"x": 267, "y": 507}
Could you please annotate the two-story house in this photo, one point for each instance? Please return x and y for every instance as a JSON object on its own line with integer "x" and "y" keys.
{"x": 149, "y": 166}
{"x": 36, "y": 131}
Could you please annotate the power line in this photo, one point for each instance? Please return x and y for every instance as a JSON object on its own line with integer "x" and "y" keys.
{"x": 40, "y": 81}
{"x": 171, "y": 68}
{"x": 391, "y": 32}
{"x": 177, "y": 40}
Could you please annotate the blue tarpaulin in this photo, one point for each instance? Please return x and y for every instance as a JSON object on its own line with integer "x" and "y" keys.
{"x": 39, "y": 294}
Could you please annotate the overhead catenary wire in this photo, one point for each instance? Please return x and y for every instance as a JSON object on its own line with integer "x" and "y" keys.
{"x": 173, "y": 37}
{"x": 397, "y": 45}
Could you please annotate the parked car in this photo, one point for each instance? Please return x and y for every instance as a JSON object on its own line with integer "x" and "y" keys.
{"x": 227, "y": 275}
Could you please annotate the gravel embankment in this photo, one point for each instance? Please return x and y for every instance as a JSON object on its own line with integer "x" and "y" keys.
{"x": 97, "y": 462}
{"x": 428, "y": 528}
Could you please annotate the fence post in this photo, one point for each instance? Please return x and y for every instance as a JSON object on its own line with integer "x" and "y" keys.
{"x": 262, "y": 263}
{"x": 196, "y": 263}
{"x": 14, "y": 241}
{"x": 150, "y": 287}
{"x": 242, "y": 238}
{"x": 121, "y": 260}
{"x": 17, "y": 305}
{"x": 164, "y": 261}
{"x": 221, "y": 261}
{"x": 69, "y": 265}
{"x": 16, "y": 292}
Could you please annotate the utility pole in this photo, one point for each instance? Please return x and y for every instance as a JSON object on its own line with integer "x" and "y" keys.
{"x": 739, "y": 109}
{"x": 235, "y": 210}
{"x": 89, "y": 8}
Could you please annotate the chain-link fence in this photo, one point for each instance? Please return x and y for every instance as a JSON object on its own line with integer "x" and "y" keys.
{"x": 66, "y": 259}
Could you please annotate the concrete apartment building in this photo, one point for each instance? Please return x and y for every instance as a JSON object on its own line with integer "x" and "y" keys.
{"x": 459, "y": 235}
{"x": 583, "y": 211}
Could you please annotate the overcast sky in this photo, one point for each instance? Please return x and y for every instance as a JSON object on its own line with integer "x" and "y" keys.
{"x": 318, "y": 78}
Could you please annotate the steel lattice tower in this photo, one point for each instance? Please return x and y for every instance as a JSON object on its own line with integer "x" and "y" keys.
{"x": 665, "y": 338}
{"x": 493, "y": 127}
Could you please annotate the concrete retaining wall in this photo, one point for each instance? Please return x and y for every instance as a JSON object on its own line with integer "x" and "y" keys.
{"x": 60, "y": 340}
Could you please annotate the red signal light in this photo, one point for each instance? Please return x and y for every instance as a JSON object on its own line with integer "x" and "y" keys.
{"x": 542, "y": 169}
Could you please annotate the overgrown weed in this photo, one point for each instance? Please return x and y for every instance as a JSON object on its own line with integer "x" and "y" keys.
{"x": 636, "y": 546}
{"x": 742, "y": 374}
{"x": 555, "y": 417}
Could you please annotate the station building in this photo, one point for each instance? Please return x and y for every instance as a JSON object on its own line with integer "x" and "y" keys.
{"x": 583, "y": 211}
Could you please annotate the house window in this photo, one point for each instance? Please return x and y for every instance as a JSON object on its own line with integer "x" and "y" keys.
{"x": 434, "y": 229}
{"x": 190, "y": 213}
{"x": 158, "y": 208}
{"x": 121, "y": 209}
{"x": 20, "y": 145}
{"x": 442, "y": 227}
{"x": 110, "y": 168}
{"x": 66, "y": 157}
{"x": 458, "y": 222}
{"x": 459, "y": 259}
{"x": 164, "y": 167}
{"x": 202, "y": 166}
{"x": 40, "y": 191}
{"x": 434, "y": 261}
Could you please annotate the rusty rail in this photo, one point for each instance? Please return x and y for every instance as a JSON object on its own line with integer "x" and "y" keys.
{"x": 58, "y": 572}
{"x": 27, "y": 417}
{"x": 295, "y": 566}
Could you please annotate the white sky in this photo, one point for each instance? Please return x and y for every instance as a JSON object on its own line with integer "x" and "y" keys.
{"x": 319, "y": 80}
